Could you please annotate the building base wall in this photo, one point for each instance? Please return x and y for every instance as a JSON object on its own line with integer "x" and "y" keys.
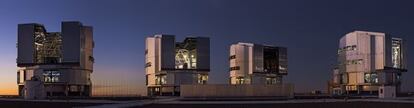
{"x": 34, "y": 90}
{"x": 39, "y": 90}
{"x": 55, "y": 81}
{"x": 225, "y": 91}
{"x": 163, "y": 91}
{"x": 387, "y": 92}
{"x": 362, "y": 90}
{"x": 168, "y": 83}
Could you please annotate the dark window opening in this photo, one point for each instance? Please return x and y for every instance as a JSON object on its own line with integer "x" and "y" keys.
{"x": 271, "y": 60}
{"x": 235, "y": 68}
{"x": 148, "y": 64}
{"x": 232, "y": 57}
{"x": 18, "y": 77}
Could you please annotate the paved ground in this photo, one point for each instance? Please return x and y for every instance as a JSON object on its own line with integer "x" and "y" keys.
{"x": 289, "y": 105}
{"x": 33, "y": 104}
{"x": 305, "y": 103}
{"x": 176, "y": 103}
{"x": 21, "y": 103}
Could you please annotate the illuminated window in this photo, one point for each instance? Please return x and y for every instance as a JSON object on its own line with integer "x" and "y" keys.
{"x": 360, "y": 61}
{"x": 282, "y": 69}
{"x": 353, "y": 62}
{"x": 51, "y": 76}
{"x": 371, "y": 78}
{"x": 353, "y": 47}
{"x": 160, "y": 79}
{"x": 193, "y": 62}
{"x": 202, "y": 79}
{"x": 271, "y": 80}
{"x": 396, "y": 53}
{"x": 47, "y": 46}
{"x": 240, "y": 80}
{"x": 185, "y": 59}
{"x": 186, "y": 54}
{"x": 347, "y": 48}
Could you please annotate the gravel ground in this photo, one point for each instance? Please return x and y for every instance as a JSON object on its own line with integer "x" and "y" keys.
{"x": 290, "y": 105}
{"x": 31, "y": 104}
{"x": 240, "y": 104}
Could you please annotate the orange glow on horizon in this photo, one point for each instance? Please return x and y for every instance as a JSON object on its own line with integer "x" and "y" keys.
{"x": 8, "y": 91}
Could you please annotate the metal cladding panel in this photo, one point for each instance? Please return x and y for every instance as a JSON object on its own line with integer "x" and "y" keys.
{"x": 258, "y": 58}
{"x": 232, "y": 91}
{"x": 20, "y": 77}
{"x": 258, "y": 80}
{"x": 172, "y": 78}
{"x": 250, "y": 59}
{"x": 360, "y": 77}
{"x": 74, "y": 76}
{"x": 233, "y": 62}
{"x": 151, "y": 79}
{"x": 87, "y": 45}
{"x": 341, "y": 56}
{"x": 352, "y": 78}
{"x": 367, "y": 51}
{"x": 203, "y": 53}
{"x": 243, "y": 59}
{"x": 404, "y": 54}
{"x": 382, "y": 77}
{"x": 167, "y": 52}
{"x": 336, "y": 78}
{"x": 367, "y": 45}
{"x": 25, "y": 44}
{"x": 150, "y": 56}
{"x": 350, "y": 41}
{"x": 388, "y": 51}
{"x": 71, "y": 39}
{"x": 372, "y": 52}
{"x": 379, "y": 52}
{"x": 372, "y": 49}
{"x": 283, "y": 61}
{"x": 179, "y": 78}
{"x": 242, "y": 56}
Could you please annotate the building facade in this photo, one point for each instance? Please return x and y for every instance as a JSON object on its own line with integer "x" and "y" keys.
{"x": 170, "y": 64}
{"x": 257, "y": 64}
{"x": 368, "y": 61}
{"x": 226, "y": 91}
{"x": 54, "y": 64}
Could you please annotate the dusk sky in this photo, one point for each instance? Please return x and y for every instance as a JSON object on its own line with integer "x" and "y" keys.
{"x": 310, "y": 29}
